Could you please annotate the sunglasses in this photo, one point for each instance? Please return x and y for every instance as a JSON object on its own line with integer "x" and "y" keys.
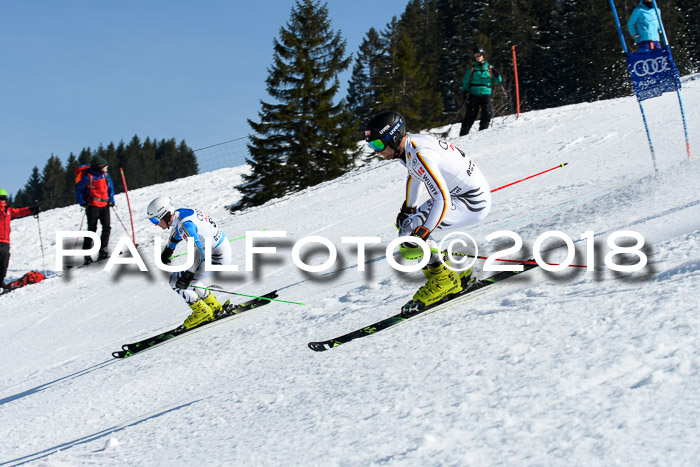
{"x": 154, "y": 220}
{"x": 478, "y": 55}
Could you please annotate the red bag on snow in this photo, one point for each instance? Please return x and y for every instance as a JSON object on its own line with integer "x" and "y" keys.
{"x": 29, "y": 278}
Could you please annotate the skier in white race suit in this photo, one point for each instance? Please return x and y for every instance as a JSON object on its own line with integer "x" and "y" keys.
{"x": 196, "y": 224}
{"x": 460, "y": 196}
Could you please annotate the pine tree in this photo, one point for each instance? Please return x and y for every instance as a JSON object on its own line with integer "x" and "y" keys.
{"x": 149, "y": 170}
{"x": 687, "y": 36}
{"x": 53, "y": 181}
{"x": 419, "y": 24}
{"x": 363, "y": 94}
{"x": 32, "y": 190}
{"x": 185, "y": 163}
{"x": 68, "y": 196}
{"x": 598, "y": 70}
{"x": 504, "y": 24}
{"x": 305, "y": 138}
{"x": 457, "y": 22}
{"x": 407, "y": 87}
{"x": 681, "y": 21}
{"x": 115, "y": 168}
{"x": 20, "y": 199}
{"x": 131, "y": 162}
{"x": 167, "y": 160}
{"x": 85, "y": 156}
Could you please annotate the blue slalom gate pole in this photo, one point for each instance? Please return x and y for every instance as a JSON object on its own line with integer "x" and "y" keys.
{"x": 652, "y": 75}
{"x": 678, "y": 91}
{"x": 685, "y": 126}
{"x": 619, "y": 28}
{"x": 646, "y": 127}
{"x": 641, "y": 108}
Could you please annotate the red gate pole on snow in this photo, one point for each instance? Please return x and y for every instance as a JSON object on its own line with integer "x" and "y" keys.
{"x": 517, "y": 88}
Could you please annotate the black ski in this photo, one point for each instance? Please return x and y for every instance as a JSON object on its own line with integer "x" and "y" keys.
{"x": 401, "y": 317}
{"x": 130, "y": 349}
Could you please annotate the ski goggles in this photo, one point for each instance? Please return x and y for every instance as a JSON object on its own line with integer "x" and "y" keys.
{"x": 155, "y": 220}
{"x": 378, "y": 145}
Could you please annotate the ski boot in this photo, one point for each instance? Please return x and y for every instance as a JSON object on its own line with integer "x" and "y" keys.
{"x": 102, "y": 255}
{"x": 201, "y": 313}
{"x": 219, "y": 310}
{"x": 213, "y": 303}
{"x": 442, "y": 282}
{"x": 467, "y": 278}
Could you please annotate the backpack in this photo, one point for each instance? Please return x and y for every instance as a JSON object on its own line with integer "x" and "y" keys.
{"x": 29, "y": 278}
{"x": 489, "y": 68}
{"x": 80, "y": 172}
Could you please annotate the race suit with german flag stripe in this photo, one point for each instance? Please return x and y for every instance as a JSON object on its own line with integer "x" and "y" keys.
{"x": 460, "y": 196}
{"x": 196, "y": 224}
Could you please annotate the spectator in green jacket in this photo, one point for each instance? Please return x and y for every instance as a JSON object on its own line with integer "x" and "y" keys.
{"x": 476, "y": 87}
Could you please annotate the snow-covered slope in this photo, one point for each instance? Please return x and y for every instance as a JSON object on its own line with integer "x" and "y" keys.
{"x": 572, "y": 367}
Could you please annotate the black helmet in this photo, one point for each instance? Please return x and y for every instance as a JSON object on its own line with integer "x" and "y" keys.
{"x": 385, "y": 129}
{"x": 478, "y": 50}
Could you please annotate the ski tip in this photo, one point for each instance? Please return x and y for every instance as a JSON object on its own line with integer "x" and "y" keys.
{"x": 119, "y": 354}
{"x": 318, "y": 346}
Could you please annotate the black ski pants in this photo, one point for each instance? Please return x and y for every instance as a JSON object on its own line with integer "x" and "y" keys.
{"x": 475, "y": 104}
{"x": 94, "y": 214}
{"x": 4, "y": 261}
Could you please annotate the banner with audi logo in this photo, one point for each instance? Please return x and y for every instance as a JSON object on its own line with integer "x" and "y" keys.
{"x": 653, "y": 73}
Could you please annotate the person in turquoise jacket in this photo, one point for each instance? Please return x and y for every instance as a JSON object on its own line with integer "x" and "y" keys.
{"x": 476, "y": 87}
{"x": 644, "y": 26}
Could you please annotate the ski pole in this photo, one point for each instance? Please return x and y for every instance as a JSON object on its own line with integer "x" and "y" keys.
{"x": 233, "y": 239}
{"x": 217, "y": 289}
{"x": 433, "y": 250}
{"x": 81, "y": 228}
{"x": 41, "y": 242}
{"x": 120, "y": 221}
{"x": 128, "y": 203}
{"x": 531, "y": 176}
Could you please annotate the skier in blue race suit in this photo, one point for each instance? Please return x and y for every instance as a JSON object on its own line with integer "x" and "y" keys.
{"x": 196, "y": 224}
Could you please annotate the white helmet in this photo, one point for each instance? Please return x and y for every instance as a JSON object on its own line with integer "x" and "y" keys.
{"x": 160, "y": 208}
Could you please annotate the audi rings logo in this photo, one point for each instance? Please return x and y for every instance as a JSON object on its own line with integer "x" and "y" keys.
{"x": 651, "y": 66}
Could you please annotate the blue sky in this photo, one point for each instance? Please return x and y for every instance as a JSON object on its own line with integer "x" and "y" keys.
{"x": 78, "y": 73}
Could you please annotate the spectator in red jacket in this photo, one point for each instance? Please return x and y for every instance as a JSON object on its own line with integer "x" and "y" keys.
{"x": 6, "y": 215}
{"x": 95, "y": 193}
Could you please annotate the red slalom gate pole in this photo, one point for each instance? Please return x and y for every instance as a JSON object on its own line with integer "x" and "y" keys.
{"x": 531, "y": 176}
{"x": 517, "y": 87}
{"x": 128, "y": 203}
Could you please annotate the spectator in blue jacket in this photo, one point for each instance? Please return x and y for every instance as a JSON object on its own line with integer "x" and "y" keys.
{"x": 644, "y": 26}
